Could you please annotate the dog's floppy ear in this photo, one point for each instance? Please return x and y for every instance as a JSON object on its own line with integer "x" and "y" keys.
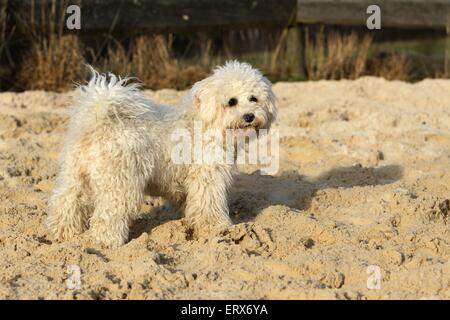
{"x": 198, "y": 92}
{"x": 271, "y": 103}
{"x": 204, "y": 99}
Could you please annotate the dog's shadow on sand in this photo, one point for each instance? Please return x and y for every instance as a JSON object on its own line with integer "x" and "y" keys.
{"x": 252, "y": 193}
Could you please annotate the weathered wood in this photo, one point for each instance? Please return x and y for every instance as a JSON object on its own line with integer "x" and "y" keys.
{"x": 131, "y": 16}
{"x": 447, "y": 52}
{"x": 295, "y": 52}
{"x": 431, "y": 14}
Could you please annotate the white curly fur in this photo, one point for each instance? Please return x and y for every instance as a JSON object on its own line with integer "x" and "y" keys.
{"x": 118, "y": 149}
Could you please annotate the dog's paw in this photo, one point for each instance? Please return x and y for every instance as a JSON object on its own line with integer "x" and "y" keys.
{"x": 62, "y": 232}
{"x": 63, "y": 229}
{"x": 112, "y": 243}
{"x": 106, "y": 239}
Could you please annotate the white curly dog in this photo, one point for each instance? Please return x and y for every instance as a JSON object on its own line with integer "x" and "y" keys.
{"x": 118, "y": 149}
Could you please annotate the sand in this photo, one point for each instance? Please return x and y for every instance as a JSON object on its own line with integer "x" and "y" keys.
{"x": 362, "y": 194}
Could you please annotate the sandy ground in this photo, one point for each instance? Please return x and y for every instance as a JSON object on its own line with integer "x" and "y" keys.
{"x": 364, "y": 181}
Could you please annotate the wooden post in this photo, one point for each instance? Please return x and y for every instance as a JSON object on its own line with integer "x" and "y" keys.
{"x": 447, "y": 51}
{"x": 295, "y": 52}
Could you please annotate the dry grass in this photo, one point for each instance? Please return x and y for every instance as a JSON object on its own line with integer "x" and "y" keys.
{"x": 149, "y": 59}
{"x": 336, "y": 56}
{"x": 393, "y": 67}
{"x": 55, "y": 60}
{"x": 54, "y": 64}
{"x": 263, "y": 48}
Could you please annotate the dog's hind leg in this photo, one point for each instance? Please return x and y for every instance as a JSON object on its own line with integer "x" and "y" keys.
{"x": 119, "y": 193}
{"x": 69, "y": 206}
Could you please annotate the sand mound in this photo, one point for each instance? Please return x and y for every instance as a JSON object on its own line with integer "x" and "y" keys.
{"x": 363, "y": 185}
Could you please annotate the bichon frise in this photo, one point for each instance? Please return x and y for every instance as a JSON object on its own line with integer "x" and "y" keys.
{"x": 118, "y": 149}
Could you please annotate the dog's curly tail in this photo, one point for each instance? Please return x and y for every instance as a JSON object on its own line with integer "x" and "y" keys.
{"x": 111, "y": 97}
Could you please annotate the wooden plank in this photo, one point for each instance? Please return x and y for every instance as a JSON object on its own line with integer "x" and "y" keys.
{"x": 447, "y": 53}
{"x": 131, "y": 16}
{"x": 295, "y": 52}
{"x": 432, "y": 14}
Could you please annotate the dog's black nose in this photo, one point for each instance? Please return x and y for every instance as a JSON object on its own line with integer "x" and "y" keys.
{"x": 249, "y": 117}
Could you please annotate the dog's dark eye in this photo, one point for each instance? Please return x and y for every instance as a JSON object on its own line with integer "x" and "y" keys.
{"x": 253, "y": 99}
{"x": 232, "y": 102}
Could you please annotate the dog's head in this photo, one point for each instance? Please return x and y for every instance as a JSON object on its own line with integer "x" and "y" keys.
{"x": 235, "y": 96}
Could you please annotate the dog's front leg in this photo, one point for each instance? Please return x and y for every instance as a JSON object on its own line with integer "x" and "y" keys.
{"x": 207, "y": 196}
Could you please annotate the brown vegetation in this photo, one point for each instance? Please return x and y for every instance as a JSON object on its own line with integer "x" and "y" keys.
{"x": 55, "y": 60}
{"x": 336, "y": 56}
{"x": 393, "y": 67}
{"x": 151, "y": 61}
